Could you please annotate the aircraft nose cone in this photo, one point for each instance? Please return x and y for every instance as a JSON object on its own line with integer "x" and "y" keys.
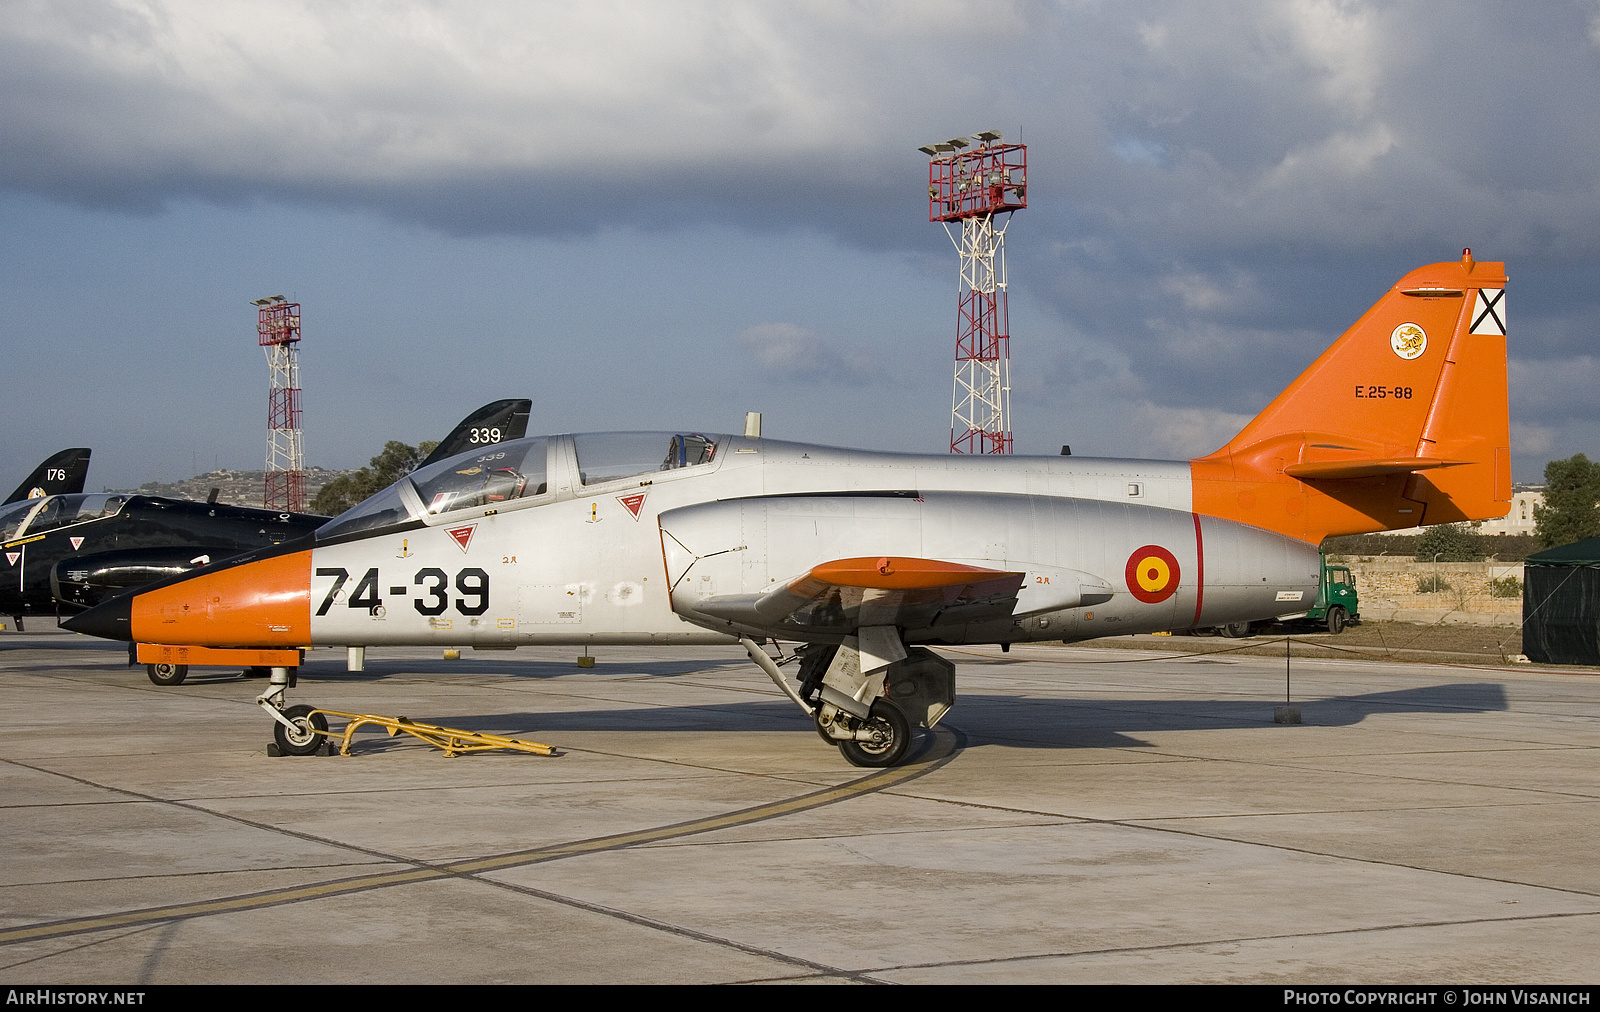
{"x": 255, "y": 600}
{"x": 111, "y": 619}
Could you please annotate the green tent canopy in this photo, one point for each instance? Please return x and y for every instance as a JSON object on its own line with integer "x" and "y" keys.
{"x": 1579, "y": 553}
{"x": 1561, "y": 604}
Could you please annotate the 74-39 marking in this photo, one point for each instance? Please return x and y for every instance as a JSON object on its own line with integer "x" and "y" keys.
{"x": 471, "y": 583}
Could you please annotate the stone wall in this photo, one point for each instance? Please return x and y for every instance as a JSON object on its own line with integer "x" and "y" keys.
{"x": 1401, "y": 588}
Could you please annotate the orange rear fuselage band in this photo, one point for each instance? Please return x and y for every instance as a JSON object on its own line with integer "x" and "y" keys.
{"x": 266, "y": 603}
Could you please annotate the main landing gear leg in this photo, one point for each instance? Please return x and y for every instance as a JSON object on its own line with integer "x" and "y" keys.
{"x": 868, "y": 694}
{"x": 296, "y": 730}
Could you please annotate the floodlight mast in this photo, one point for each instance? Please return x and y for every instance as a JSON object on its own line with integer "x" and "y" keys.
{"x": 974, "y": 185}
{"x": 278, "y": 332}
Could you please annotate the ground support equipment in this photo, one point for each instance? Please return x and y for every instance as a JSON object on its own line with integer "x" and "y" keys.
{"x": 451, "y": 741}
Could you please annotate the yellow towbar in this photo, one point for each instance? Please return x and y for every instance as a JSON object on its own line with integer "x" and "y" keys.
{"x": 451, "y": 741}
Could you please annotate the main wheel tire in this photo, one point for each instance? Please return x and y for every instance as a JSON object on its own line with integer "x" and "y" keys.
{"x": 167, "y": 674}
{"x": 304, "y": 739}
{"x": 1336, "y": 620}
{"x": 893, "y": 741}
{"x": 1236, "y": 630}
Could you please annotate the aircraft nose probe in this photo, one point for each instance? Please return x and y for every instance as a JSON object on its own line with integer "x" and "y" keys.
{"x": 111, "y": 619}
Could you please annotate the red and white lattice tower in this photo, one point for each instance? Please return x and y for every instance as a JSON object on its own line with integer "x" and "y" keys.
{"x": 278, "y": 329}
{"x": 974, "y": 181}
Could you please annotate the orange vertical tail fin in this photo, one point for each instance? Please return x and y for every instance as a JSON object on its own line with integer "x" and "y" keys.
{"x": 1404, "y": 420}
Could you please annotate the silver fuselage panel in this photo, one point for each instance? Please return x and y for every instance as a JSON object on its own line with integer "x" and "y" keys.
{"x": 623, "y": 561}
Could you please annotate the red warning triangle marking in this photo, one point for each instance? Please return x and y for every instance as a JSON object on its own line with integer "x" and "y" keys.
{"x": 633, "y": 503}
{"x": 12, "y": 557}
{"x": 77, "y": 543}
{"x": 462, "y": 535}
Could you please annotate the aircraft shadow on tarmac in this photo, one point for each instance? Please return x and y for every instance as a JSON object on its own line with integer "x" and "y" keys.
{"x": 315, "y": 674}
{"x": 1012, "y": 720}
{"x": 469, "y": 665}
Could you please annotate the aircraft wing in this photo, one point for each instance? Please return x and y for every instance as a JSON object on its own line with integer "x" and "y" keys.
{"x": 850, "y": 593}
{"x": 846, "y": 594}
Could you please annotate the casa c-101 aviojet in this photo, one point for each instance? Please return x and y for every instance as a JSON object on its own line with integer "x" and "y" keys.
{"x": 868, "y": 559}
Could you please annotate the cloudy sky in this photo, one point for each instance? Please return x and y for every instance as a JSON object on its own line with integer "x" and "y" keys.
{"x": 662, "y": 215}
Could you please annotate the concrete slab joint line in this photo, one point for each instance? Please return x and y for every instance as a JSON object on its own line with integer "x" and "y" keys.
{"x": 873, "y": 782}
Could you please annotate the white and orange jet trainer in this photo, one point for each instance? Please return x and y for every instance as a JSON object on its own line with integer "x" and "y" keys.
{"x": 867, "y": 559}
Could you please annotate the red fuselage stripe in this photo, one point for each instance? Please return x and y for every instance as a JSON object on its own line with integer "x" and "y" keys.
{"x": 1199, "y": 570}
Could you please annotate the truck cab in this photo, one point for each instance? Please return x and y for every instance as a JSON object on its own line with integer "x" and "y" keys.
{"x": 1337, "y": 604}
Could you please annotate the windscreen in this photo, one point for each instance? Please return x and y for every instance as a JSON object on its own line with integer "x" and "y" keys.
{"x": 512, "y": 470}
{"x": 65, "y": 510}
{"x": 58, "y": 511}
{"x": 11, "y": 517}
{"x": 499, "y": 474}
{"x": 608, "y": 456}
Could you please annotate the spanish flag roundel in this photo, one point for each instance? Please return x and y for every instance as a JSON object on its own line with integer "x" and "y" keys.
{"x": 1152, "y": 574}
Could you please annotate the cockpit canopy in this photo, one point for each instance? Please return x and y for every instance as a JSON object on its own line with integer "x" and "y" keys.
{"x": 518, "y": 470}
{"x": 33, "y": 516}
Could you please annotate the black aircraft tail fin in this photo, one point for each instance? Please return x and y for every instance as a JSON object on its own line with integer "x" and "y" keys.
{"x": 61, "y": 474}
{"x": 492, "y": 423}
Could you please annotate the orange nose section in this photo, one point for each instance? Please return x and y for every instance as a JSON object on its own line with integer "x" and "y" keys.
{"x": 259, "y": 604}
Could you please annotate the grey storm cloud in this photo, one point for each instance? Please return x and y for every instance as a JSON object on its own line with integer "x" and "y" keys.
{"x": 791, "y": 351}
{"x": 1216, "y": 190}
{"x": 1183, "y": 131}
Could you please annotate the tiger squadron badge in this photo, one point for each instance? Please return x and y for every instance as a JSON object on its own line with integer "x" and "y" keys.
{"x": 1409, "y": 341}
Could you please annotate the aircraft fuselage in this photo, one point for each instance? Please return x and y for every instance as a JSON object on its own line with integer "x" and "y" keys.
{"x": 629, "y": 560}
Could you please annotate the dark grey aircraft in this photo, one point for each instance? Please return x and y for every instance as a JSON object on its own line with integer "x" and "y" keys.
{"x": 72, "y": 551}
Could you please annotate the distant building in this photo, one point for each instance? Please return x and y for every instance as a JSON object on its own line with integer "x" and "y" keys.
{"x": 1519, "y": 521}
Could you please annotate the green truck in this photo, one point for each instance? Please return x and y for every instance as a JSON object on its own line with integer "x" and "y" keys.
{"x": 1336, "y": 606}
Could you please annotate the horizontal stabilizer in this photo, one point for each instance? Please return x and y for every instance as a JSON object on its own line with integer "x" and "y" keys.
{"x": 1334, "y": 470}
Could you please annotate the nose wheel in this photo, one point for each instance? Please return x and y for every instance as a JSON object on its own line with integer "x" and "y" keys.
{"x": 167, "y": 674}
{"x": 304, "y": 732}
{"x": 295, "y": 729}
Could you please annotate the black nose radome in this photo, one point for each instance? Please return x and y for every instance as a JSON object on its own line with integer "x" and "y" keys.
{"x": 111, "y": 619}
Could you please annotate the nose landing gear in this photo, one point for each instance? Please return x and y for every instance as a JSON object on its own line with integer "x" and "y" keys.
{"x": 303, "y": 730}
